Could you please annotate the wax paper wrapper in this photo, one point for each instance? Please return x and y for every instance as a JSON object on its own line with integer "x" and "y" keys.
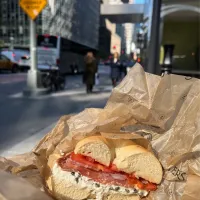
{"x": 17, "y": 188}
{"x": 160, "y": 113}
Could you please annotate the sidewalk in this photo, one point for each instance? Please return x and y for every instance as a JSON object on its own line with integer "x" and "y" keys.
{"x": 27, "y": 144}
{"x": 30, "y": 119}
{"x": 74, "y": 86}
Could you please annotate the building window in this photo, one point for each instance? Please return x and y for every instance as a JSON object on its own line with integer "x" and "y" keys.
{"x": 26, "y": 31}
{"x": 12, "y": 5}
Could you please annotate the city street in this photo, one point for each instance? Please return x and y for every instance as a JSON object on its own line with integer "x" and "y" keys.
{"x": 23, "y": 121}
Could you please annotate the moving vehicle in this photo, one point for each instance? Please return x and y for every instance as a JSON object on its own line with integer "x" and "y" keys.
{"x": 60, "y": 52}
{"x": 24, "y": 62}
{"x": 7, "y": 64}
{"x": 20, "y": 57}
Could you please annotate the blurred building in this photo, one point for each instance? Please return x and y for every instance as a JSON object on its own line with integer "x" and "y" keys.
{"x": 110, "y": 34}
{"x": 157, "y": 19}
{"x": 104, "y": 40}
{"x": 14, "y": 23}
{"x": 129, "y": 30}
{"x": 117, "y": 31}
{"x": 115, "y": 43}
{"x": 75, "y": 20}
{"x": 125, "y": 31}
{"x": 120, "y": 30}
{"x": 185, "y": 37}
{"x": 112, "y": 1}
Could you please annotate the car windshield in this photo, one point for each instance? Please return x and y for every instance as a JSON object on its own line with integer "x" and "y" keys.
{"x": 47, "y": 41}
{"x": 19, "y": 54}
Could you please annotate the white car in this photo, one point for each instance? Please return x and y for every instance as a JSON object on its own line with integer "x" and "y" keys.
{"x": 24, "y": 62}
{"x": 20, "y": 57}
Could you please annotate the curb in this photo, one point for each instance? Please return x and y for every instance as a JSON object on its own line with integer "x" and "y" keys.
{"x": 28, "y": 144}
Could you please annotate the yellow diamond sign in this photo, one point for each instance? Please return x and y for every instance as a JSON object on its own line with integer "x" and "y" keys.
{"x": 33, "y": 7}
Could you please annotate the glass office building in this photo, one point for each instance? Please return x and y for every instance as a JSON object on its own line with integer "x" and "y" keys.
{"x": 75, "y": 20}
{"x": 14, "y": 23}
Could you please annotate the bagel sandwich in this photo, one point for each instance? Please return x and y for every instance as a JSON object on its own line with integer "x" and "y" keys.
{"x": 106, "y": 169}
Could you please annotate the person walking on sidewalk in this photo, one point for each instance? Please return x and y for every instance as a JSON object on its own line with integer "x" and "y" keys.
{"x": 115, "y": 69}
{"x": 90, "y": 71}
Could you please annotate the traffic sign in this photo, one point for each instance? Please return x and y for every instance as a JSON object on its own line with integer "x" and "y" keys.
{"x": 33, "y": 7}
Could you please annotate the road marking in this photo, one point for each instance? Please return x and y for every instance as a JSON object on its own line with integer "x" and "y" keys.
{"x": 12, "y": 78}
{"x": 27, "y": 144}
{"x": 10, "y": 82}
{"x": 78, "y": 92}
{"x": 18, "y": 74}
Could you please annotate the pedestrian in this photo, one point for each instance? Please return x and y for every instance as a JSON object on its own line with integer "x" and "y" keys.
{"x": 115, "y": 69}
{"x": 124, "y": 68}
{"x": 132, "y": 61}
{"x": 90, "y": 71}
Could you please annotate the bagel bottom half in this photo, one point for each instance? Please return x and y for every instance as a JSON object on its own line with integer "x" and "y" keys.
{"x": 69, "y": 186}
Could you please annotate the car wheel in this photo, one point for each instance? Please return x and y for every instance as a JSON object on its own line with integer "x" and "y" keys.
{"x": 15, "y": 69}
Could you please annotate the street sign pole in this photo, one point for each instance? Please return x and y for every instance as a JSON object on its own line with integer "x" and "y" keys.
{"x": 154, "y": 48}
{"x": 33, "y": 9}
{"x": 33, "y": 50}
{"x": 34, "y": 87}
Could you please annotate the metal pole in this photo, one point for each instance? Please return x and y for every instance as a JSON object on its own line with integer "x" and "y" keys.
{"x": 154, "y": 48}
{"x": 33, "y": 50}
{"x": 34, "y": 87}
{"x": 161, "y": 53}
{"x": 32, "y": 77}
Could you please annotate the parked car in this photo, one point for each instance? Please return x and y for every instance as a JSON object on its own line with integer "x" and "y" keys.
{"x": 7, "y": 64}
{"x": 24, "y": 63}
{"x": 20, "y": 57}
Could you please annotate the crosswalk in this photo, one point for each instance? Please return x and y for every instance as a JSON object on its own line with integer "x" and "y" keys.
{"x": 75, "y": 93}
{"x": 72, "y": 82}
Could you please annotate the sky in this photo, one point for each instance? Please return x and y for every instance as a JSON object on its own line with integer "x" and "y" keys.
{"x": 139, "y": 1}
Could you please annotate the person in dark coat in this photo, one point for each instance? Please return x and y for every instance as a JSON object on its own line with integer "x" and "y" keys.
{"x": 90, "y": 71}
{"x": 124, "y": 68}
{"x": 115, "y": 69}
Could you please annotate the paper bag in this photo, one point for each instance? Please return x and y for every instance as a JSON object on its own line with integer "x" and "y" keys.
{"x": 14, "y": 188}
{"x": 159, "y": 113}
